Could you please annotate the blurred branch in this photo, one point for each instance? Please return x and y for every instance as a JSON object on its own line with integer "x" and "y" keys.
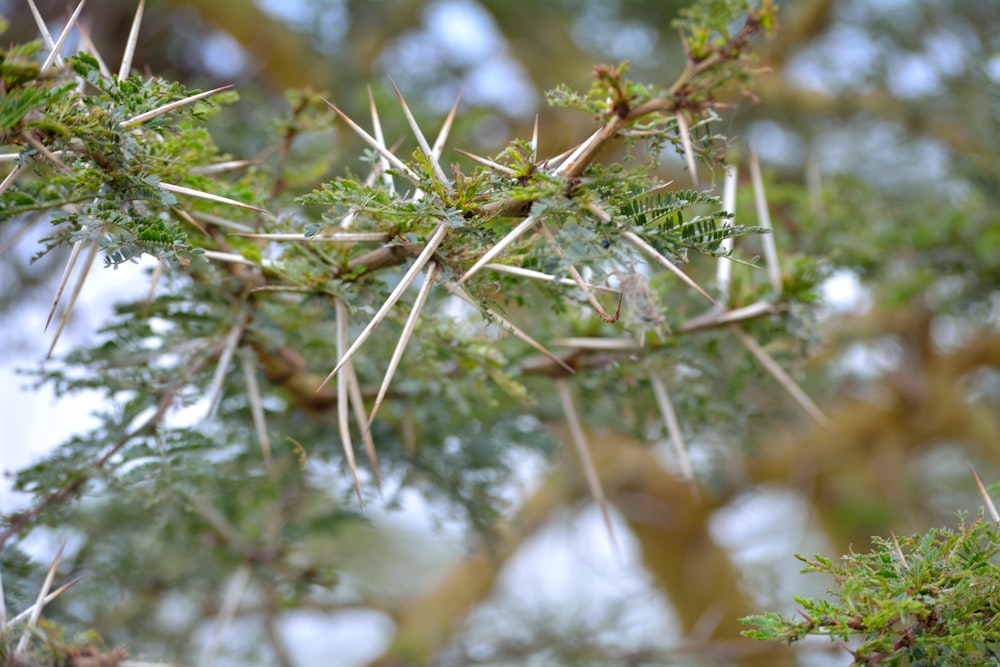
{"x": 281, "y": 53}
{"x": 867, "y": 460}
{"x": 781, "y": 98}
{"x": 696, "y": 575}
{"x": 801, "y": 23}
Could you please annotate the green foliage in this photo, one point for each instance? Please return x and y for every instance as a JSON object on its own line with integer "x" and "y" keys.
{"x": 926, "y": 599}
{"x": 660, "y": 218}
{"x": 259, "y": 479}
{"x": 110, "y": 172}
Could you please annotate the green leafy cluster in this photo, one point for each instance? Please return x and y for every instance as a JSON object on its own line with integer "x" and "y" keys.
{"x": 105, "y": 186}
{"x": 707, "y": 26}
{"x": 660, "y": 216}
{"x": 926, "y": 599}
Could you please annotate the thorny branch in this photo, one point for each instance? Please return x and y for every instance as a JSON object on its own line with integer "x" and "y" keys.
{"x": 284, "y": 367}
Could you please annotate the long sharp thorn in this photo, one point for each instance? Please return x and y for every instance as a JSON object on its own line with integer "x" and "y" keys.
{"x": 575, "y": 155}
{"x": 764, "y": 217}
{"x": 724, "y": 268}
{"x": 181, "y": 190}
{"x": 256, "y": 409}
{"x": 583, "y": 451}
{"x": 501, "y": 245}
{"x": 358, "y": 405}
{"x": 779, "y": 374}
{"x": 509, "y": 326}
{"x": 432, "y": 243}
{"x": 223, "y": 166}
{"x": 990, "y": 507}
{"x": 442, "y": 136}
{"x": 42, "y": 28}
{"x": 227, "y": 612}
{"x": 70, "y": 263}
{"x": 380, "y": 138}
{"x": 534, "y": 141}
{"x": 343, "y": 420}
{"x": 225, "y": 357}
{"x": 599, "y": 343}
{"x": 236, "y": 259}
{"x": 84, "y": 272}
{"x": 718, "y": 316}
{"x": 673, "y": 425}
{"x": 544, "y": 277}
{"x": 48, "y": 598}
{"x": 421, "y": 139}
{"x": 685, "y": 134}
{"x": 133, "y": 38}
{"x": 376, "y": 123}
{"x": 495, "y": 166}
{"x": 57, "y": 47}
{"x": 39, "y": 602}
{"x": 346, "y": 237}
{"x": 404, "y": 338}
{"x": 380, "y": 147}
{"x": 170, "y": 106}
{"x": 899, "y": 551}
{"x": 641, "y": 244}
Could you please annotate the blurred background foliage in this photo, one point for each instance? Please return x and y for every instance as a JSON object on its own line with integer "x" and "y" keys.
{"x": 878, "y": 124}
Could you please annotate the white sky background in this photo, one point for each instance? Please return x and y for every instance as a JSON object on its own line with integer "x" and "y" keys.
{"x": 548, "y": 573}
